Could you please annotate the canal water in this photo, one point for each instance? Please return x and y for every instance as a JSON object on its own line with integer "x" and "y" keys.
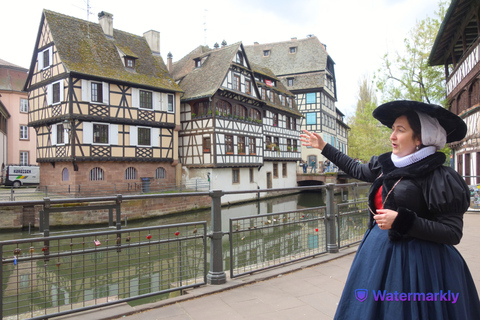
{"x": 304, "y": 199}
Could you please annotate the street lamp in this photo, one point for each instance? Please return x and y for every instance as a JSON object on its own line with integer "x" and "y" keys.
{"x": 67, "y": 125}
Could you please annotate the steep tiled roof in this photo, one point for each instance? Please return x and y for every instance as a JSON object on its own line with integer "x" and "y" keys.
{"x": 84, "y": 49}
{"x": 12, "y": 77}
{"x": 182, "y": 67}
{"x": 207, "y": 79}
{"x": 280, "y": 88}
{"x": 310, "y": 56}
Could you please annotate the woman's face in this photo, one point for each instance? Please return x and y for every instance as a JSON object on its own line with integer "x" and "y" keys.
{"x": 402, "y": 140}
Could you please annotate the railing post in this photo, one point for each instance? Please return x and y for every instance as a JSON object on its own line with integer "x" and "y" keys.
{"x": 216, "y": 274}
{"x": 332, "y": 245}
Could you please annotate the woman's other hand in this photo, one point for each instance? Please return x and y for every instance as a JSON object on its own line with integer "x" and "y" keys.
{"x": 385, "y": 218}
{"x": 312, "y": 139}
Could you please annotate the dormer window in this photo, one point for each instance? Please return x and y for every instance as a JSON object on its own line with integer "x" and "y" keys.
{"x": 130, "y": 62}
{"x": 293, "y": 49}
{"x": 198, "y": 63}
{"x": 266, "y": 53}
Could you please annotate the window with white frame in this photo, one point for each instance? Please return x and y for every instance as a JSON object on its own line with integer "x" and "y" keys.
{"x": 24, "y": 158}
{"x": 55, "y": 92}
{"x": 45, "y": 58}
{"x": 23, "y": 132}
{"x": 146, "y": 99}
{"x": 143, "y": 136}
{"x": 95, "y": 92}
{"x": 96, "y": 174}
{"x": 60, "y": 134}
{"x": 24, "y": 105}
{"x": 171, "y": 103}
{"x": 100, "y": 133}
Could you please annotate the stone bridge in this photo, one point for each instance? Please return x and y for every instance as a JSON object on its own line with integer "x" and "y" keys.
{"x": 308, "y": 179}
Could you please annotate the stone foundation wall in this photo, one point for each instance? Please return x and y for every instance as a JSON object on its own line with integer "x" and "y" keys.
{"x": 17, "y": 217}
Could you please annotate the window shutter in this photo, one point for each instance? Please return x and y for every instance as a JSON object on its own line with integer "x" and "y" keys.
{"x": 61, "y": 90}
{"x": 163, "y": 102}
{"x": 157, "y": 100}
{"x": 113, "y": 134}
{"x": 87, "y": 132}
{"x": 133, "y": 136}
{"x": 49, "y": 94}
{"x": 85, "y": 93}
{"x": 40, "y": 60}
{"x": 106, "y": 93}
{"x": 50, "y": 55}
{"x": 135, "y": 98}
{"x": 155, "y": 132}
{"x": 66, "y": 135}
{"x": 54, "y": 134}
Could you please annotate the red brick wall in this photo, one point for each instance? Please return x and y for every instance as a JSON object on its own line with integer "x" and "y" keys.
{"x": 114, "y": 173}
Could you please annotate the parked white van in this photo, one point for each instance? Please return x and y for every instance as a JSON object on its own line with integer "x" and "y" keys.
{"x": 17, "y": 176}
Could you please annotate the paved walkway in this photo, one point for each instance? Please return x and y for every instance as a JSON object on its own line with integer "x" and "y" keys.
{"x": 305, "y": 290}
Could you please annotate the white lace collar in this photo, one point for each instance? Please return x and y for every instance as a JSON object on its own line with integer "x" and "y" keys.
{"x": 414, "y": 157}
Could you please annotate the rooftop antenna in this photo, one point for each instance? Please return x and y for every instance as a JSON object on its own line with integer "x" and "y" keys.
{"x": 205, "y": 27}
{"x": 88, "y": 15}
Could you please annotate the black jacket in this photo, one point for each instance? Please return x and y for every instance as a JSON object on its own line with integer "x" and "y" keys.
{"x": 430, "y": 198}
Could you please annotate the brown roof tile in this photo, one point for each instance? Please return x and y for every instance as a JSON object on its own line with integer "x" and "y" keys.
{"x": 84, "y": 49}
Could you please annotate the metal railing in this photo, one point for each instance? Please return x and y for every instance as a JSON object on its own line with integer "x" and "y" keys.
{"x": 352, "y": 218}
{"x": 53, "y": 276}
{"x": 130, "y": 188}
{"x": 270, "y": 240}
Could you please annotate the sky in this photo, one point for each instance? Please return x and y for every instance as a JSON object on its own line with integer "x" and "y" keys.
{"x": 357, "y": 33}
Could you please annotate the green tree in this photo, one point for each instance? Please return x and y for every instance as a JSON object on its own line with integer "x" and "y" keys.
{"x": 409, "y": 75}
{"x": 367, "y": 136}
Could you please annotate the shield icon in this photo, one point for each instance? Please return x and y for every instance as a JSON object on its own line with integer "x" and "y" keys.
{"x": 361, "y": 294}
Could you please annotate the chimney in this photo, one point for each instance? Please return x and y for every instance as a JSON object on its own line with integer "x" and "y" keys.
{"x": 169, "y": 62}
{"x": 153, "y": 40}
{"x": 255, "y": 43}
{"x": 106, "y": 22}
{"x": 294, "y": 38}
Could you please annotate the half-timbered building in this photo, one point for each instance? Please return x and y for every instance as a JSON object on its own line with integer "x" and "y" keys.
{"x": 102, "y": 103}
{"x": 457, "y": 47}
{"x": 239, "y": 123}
{"x": 307, "y": 69}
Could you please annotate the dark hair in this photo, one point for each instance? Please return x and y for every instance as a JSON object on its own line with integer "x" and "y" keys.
{"x": 414, "y": 122}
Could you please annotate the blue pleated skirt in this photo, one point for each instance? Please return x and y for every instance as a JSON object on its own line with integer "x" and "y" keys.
{"x": 410, "y": 279}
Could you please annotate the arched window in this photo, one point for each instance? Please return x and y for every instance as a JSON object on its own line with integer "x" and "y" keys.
{"x": 239, "y": 58}
{"x": 239, "y": 111}
{"x": 201, "y": 108}
{"x": 475, "y": 93}
{"x": 130, "y": 173}
{"x": 65, "y": 174}
{"x": 160, "y": 173}
{"x": 254, "y": 114}
{"x": 96, "y": 174}
{"x": 224, "y": 108}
